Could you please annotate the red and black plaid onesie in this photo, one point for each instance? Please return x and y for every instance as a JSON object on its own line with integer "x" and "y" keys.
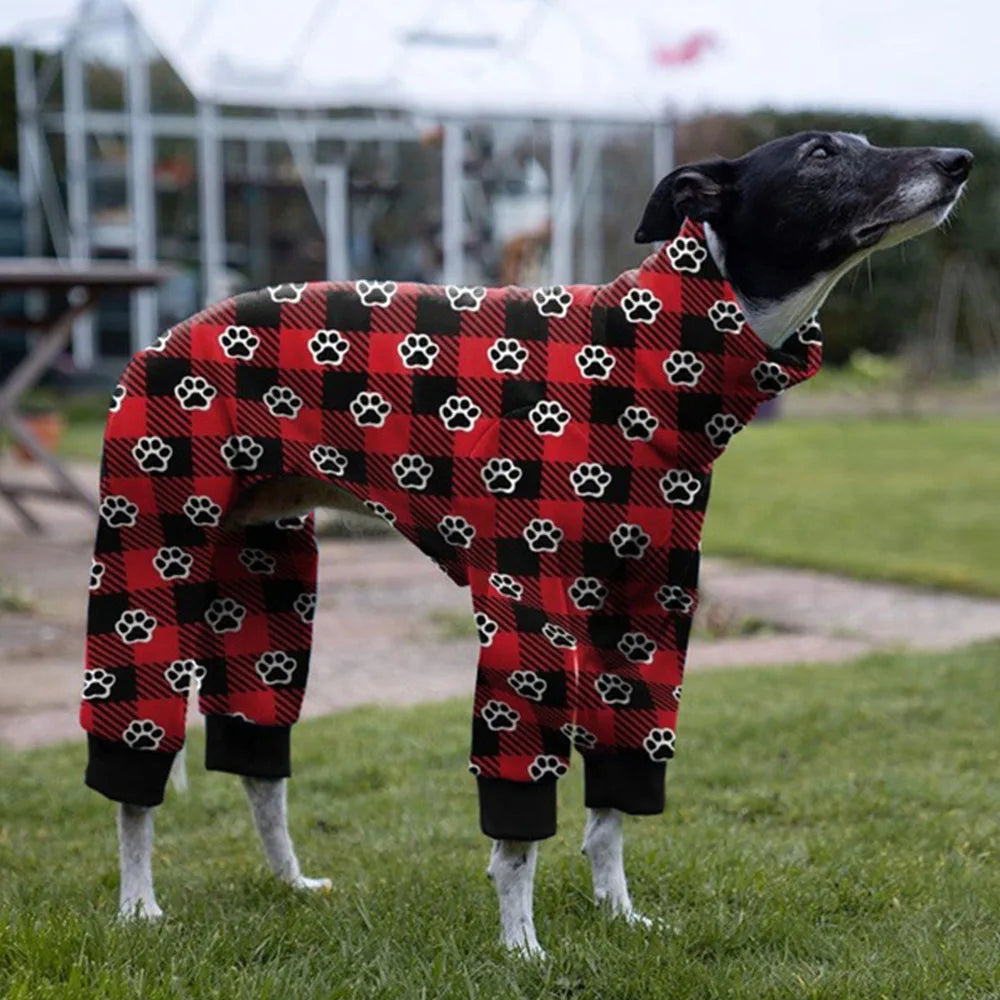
{"x": 550, "y": 449}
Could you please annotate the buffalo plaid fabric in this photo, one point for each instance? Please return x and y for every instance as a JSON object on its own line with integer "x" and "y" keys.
{"x": 551, "y": 449}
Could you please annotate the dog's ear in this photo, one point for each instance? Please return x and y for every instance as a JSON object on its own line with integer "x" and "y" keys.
{"x": 697, "y": 191}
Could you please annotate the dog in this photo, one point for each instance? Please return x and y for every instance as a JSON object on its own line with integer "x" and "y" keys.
{"x": 549, "y": 449}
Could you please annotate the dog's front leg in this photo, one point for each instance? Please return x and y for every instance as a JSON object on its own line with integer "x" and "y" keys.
{"x": 603, "y": 843}
{"x": 268, "y": 803}
{"x": 136, "y": 898}
{"x": 512, "y": 868}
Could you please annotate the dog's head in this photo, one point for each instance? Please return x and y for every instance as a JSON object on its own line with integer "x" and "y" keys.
{"x": 787, "y": 219}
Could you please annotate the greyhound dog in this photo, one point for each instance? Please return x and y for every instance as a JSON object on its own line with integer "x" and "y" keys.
{"x": 551, "y": 450}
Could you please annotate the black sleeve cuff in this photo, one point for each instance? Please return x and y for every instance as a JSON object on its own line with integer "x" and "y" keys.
{"x": 239, "y": 747}
{"x": 137, "y": 777}
{"x": 627, "y": 780}
{"x": 517, "y": 810}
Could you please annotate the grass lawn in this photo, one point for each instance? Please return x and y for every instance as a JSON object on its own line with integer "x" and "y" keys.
{"x": 909, "y": 500}
{"x": 834, "y": 836}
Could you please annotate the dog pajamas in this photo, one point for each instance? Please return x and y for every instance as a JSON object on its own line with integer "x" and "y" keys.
{"x": 551, "y": 450}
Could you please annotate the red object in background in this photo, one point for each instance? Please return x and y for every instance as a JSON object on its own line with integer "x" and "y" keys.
{"x": 686, "y": 51}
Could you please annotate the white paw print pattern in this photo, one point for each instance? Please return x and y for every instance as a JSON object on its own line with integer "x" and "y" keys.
{"x": 455, "y": 530}
{"x": 629, "y": 541}
{"x": 152, "y": 453}
{"x": 637, "y": 647}
{"x": 582, "y": 739}
{"x": 770, "y": 377}
{"x": 380, "y": 510}
{"x": 282, "y": 402}
{"x": 674, "y": 598}
{"x": 370, "y": 409}
{"x": 683, "y": 368}
{"x": 544, "y": 765}
{"x": 558, "y": 636}
{"x": 258, "y": 562}
{"x": 97, "y": 684}
{"x": 143, "y": 734}
{"x": 328, "y": 460}
{"x": 290, "y": 292}
{"x": 809, "y": 332}
{"x": 202, "y": 511}
{"x": 417, "y": 350}
{"x": 506, "y": 586}
{"x": 119, "y": 512}
{"x": 328, "y": 347}
{"x": 590, "y": 479}
{"x": 291, "y": 522}
{"x": 275, "y": 669}
{"x": 614, "y": 690}
{"x": 161, "y": 342}
{"x": 507, "y": 355}
{"x": 501, "y": 475}
{"x": 376, "y": 293}
{"x": 474, "y": 769}
{"x": 659, "y": 744}
{"x": 552, "y": 300}
{"x": 239, "y": 342}
{"x": 173, "y": 563}
{"x": 459, "y": 413}
{"x": 116, "y": 398}
{"x": 181, "y": 674}
{"x": 542, "y": 535}
{"x": 135, "y": 627}
{"x": 680, "y": 487}
{"x": 549, "y": 417}
{"x": 241, "y": 452}
{"x": 225, "y": 615}
{"x": 640, "y": 305}
{"x": 499, "y": 716}
{"x": 97, "y": 570}
{"x": 686, "y": 254}
{"x": 412, "y": 472}
{"x": 486, "y": 628}
{"x": 595, "y": 362}
{"x": 637, "y": 423}
{"x": 588, "y": 593}
{"x": 465, "y": 299}
{"x": 721, "y": 427}
{"x": 726, "y": 316}
{"x": 305, "y": 606}
{"x": 528, "y": 684}
{"x": 194, "y": 393}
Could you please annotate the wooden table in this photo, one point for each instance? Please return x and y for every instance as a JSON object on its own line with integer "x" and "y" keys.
{"x": 83, "y": 285}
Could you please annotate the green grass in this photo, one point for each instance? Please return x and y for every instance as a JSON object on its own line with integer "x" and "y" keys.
{"x": 908, "y": 500}
{"x": 832, "y": 834}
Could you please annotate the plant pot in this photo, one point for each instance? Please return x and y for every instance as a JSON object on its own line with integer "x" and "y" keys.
{"x": 47, "y": 425}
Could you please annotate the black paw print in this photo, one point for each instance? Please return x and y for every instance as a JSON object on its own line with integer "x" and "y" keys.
{"x": 726, "y": 316}
{"x": 97, "y": 684}
{"x": 507, "y": 355}
{"x": 291, "y": 522}
{"x": 546, "y": 764}
{"x": 258, "y": 561}
{"x": 542, "y": 535}
{"x": 528, "y": 684}
{"x": 376, "y": 293}
{"x": 225, "y": 615}
{"x": 629, "y": 541}
{"x": 594, "y": 361}
{"x": 370, "y": 409}
{"x": 116, "y": 398}
{"x": 683, "y": 368}
{"x": 161, "y": 342}
{"x": 590, "y": 479}
{"x": 474, "y": 769}
{"x": 659, "y": 744}
{"x": 686, "y": 254}
{"x": 328, "y": 347}
{"x": 329, "y": 460}
{"x": 119, "y": 512}
{"x": 465, "y": 299}
{"x": 412, "y": 472}
{"x": 380, "y": 510}
{"x": 282, "y": 402}
{"x": 135, "y": 627}
{"x": 549, "y": 417}
{"x": 582, "y": 739}
{"x": 680, "y": 486}
{"x": 173, "y": 563}
{"x": 770, "y": 377}
{"x": 152, "y": 453}
{"x": 143, "y": 734}
{"x": 202, "y": 511}
{"x": 588, "y": 593}
{"x": 637, "y": 423}
{"x": 809, "y": 332}
{"x": 500, "y": 475}
{"x": 674, "y": 598}
{"x": 613, "y": 689}
{"x": 637, "y": 647}
{"x": 499, "y": 716}
{"x": 97, "y": 570}
{"x": 506, "y": 585}
{"x": 305, "y": 606}
{"x": 455, "y": 530}
{"x": 241, "y": 453}
{"x": 459, "y": 413}
{"x": 288, "y": 292}
{"x": 276, "y": 668}
{"x": 417, "y": 350}
{"x": 194, "y": 393}
{"x": 721, "y": 427}
{"x": 181, "y": 674}
{"x": 486, "y": 628}
{"x": 558, "y": 636}
{"x": 640, "y": 305}
{"x": 552, "y": 300}
{"x": 239, "y": 342}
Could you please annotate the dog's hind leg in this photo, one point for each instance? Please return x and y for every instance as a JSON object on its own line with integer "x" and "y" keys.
{"x": 512, "y": 869}
{"x": 603, "y": 843}
{"x": 135, "y": 854}
{"x": 269, "y": 805}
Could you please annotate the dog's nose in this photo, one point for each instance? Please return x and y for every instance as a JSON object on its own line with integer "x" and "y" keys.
{"x": 954, "y": 163}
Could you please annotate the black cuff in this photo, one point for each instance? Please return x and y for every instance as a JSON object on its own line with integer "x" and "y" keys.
{"x": 137, "y": 777}
{"x": 239, "y": 747}
{"x": 627, "y": 780}
{"x": 517, "y": 810}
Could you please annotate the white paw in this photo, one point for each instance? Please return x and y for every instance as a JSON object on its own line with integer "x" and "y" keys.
{"x": 311, "y": 884}
{"x": 139, "y": 909}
